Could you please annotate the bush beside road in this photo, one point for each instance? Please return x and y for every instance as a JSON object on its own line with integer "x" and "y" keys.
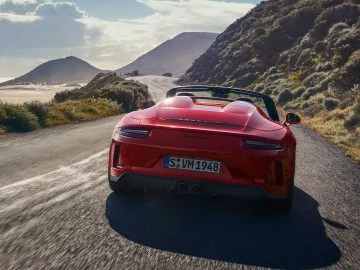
{"x": 105, "y": 95}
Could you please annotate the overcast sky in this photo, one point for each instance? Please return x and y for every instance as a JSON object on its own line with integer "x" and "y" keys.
{"x": 106, "y": 33}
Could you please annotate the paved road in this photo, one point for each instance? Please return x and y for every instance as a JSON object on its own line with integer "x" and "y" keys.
{"x": 56, "y": 211}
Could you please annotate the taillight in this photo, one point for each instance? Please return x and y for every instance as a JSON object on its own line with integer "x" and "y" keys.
{"x": 134, "y": 133}
{"x": 261, "y": 145}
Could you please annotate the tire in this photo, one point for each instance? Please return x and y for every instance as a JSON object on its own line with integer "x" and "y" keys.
{"x": 282, "y": 205}
{"x": 114, "y": 186}
{"x": 279, "y": 205}
{"x": 120, "y": 189}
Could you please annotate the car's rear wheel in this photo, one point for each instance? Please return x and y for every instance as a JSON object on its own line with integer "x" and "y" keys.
{"x": 114, "y": 186}
{"x": 121, "y": 189}
{"x": 279, "y": 205}
{"x": 282, "y": 205}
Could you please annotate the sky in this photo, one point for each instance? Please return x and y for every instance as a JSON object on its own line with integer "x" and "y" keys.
{"x": 107, "y": 33}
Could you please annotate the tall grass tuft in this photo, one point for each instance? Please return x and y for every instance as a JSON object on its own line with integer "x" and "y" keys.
{"x": 16, "y": 118}
{"x": 40, "y": 110}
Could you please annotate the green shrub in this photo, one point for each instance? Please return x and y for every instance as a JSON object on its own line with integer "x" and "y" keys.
{"x": 2, "y": 130}
{"x": 2, "y": 114}
{"x": 314, "y": 79}
{"x": 108, "y": 86}
{"x": 320, "y": 87}
{"x": 259, "y": 87}
{"x": 313, "y": 109}
{"x": 330, "y": 104}
{"x": 352, "y": 121}
{"x": 19, "y": 119}
{"x": 305, "y": 105}
{"x": 40, "y": 110}
{"x": 308, "y": 93}
{"x": 267, "y": 91}
{"x": 284, "y": 97}
{"x": 299, "y": 91}
{"x": 337, "y": 28}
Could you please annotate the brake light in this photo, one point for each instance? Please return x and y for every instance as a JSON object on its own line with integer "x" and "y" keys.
{"x": 134, "y": 133}
{"x": 261, "y": 145}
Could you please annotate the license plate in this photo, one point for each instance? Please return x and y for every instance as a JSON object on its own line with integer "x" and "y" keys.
{"x": 191, "y": 164}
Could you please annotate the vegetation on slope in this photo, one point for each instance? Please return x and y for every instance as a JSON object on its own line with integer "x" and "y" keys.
{"x": 105, "y": 95}
{"x": 303, "y": 53}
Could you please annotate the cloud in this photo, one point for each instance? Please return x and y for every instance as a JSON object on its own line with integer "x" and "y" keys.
{"x": 18, "y": 7}
{"x": 17, "y": 18}
{"x": 59, "y": 11}
{"x": 50, "y": 30}
{"x": 18, "y": 2}
{"x": 124, "y": 40}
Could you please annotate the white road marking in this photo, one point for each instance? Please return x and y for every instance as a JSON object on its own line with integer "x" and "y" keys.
{"x": 37, "y": 140}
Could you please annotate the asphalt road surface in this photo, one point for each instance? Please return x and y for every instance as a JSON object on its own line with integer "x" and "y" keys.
{"x": 56, "y": 211}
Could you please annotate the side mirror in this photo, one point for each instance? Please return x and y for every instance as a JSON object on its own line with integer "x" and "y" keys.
{"x": 147, "y": 104}
{"x": 292, "y": 119}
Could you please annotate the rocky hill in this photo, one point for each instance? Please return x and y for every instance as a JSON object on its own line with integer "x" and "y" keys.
{"x": 64, "y": 70}
{"x": 128, "y": 93}
{"x": 173, "y": 56}
{"x": 304, "y": 53}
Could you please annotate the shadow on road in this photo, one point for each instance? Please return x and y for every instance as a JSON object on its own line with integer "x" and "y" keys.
{"x": 224, "y": 229}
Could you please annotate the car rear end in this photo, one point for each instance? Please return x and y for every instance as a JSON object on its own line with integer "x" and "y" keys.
{"x": 205, "y": 158}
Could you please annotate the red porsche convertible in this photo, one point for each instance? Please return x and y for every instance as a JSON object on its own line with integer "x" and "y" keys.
{"x": 207, "y": 140}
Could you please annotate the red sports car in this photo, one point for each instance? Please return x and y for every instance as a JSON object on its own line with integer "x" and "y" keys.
{"x": 207, "y": 140}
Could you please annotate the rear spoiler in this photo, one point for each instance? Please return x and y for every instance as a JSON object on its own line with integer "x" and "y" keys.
{"x": 223, "y": 92}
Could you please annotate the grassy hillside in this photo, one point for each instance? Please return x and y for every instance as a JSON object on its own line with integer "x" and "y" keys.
{"x": 105, "y": 95}
{"x": 303, "y": 53}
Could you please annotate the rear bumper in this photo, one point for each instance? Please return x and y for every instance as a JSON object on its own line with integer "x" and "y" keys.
{"x": 190, "y": 186}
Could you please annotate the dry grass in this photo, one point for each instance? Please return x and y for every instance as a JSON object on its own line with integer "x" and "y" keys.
{"x": 331, "y": 126}
{"x": 35, "y": 115}
{"x": 81, "y": 110}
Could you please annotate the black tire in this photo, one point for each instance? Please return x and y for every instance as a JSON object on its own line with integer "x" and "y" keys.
{"x": 121, "y": 189}
{"x": 114, "y": 186}
{"x": 279, "y": 205}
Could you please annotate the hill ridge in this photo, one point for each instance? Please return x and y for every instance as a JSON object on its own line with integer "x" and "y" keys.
{"x": 174, "y": 55}
{"x": 55, "y": 71}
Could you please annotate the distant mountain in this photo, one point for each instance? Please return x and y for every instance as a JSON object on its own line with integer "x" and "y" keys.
{"x": 64, "y": 70}
{"x": 175, "y": 55}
